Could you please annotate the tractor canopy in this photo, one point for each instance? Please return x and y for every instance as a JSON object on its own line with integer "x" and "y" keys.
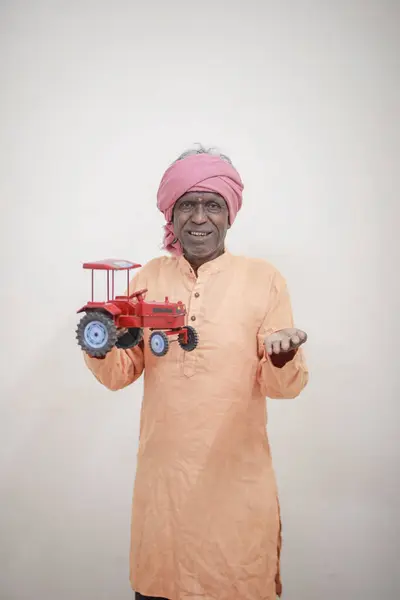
{"x": 111, "y": 264}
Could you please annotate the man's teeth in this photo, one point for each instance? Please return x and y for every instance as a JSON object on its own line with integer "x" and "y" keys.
{"x": 198, "y": 233}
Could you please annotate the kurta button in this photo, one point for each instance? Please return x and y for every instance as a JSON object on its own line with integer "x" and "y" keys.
{"x": 196, "y": 295}
{"x": 193, "y": 318}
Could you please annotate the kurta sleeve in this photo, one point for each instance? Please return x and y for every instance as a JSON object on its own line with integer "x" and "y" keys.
{"x": 119, "y": 368}
{"x": 289, "y": 380}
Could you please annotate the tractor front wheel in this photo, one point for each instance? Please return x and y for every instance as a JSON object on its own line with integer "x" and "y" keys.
{"x": 96, "y": 334}
{"x": 192, "y": 339}
{"x": 159, "y": 343}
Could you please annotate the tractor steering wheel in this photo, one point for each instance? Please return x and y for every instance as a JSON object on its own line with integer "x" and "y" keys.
{"x": 136, "y": 294}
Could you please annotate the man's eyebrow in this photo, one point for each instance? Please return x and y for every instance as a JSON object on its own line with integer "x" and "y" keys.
{"x": 191, "y": 196}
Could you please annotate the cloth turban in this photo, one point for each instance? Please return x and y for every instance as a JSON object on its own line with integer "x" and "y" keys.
{"x": 197, "y": 173}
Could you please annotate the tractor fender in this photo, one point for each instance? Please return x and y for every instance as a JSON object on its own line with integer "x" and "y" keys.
{"x": 83, "y": 309}
{"x": 112, "y": 309}
{"x": 107, "y": 307}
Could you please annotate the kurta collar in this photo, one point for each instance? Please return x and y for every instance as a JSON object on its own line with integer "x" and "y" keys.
{"x": 213, "y": 266}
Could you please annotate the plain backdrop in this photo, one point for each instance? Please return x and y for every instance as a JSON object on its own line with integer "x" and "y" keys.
{"x": 97, "y": 98}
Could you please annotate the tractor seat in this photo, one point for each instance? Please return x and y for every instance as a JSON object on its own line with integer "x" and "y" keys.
{"x": 134, "y": 295}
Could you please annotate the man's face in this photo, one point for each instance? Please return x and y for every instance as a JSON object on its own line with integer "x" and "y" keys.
{"x": 201, "y": 220}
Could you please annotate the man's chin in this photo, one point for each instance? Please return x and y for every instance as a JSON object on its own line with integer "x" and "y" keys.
{"x": 202, "y": 249}
{"x": 202, "y": 252}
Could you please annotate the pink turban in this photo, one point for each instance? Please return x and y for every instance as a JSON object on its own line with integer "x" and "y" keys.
{"x": 197, "y": 173}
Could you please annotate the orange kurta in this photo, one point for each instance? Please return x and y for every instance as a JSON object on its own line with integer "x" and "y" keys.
{"x": 205, "y": 518}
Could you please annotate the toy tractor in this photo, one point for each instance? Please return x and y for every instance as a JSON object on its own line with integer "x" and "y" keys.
{"x": 98, "y": 330}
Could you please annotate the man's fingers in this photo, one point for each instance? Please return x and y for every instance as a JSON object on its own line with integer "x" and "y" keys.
{"x": 284, "y": 341}
{"x": 298, "y": 338}
{"x": 285, "y": 344}
{"x": 276, "y": 347}
{"x": 295, "y": 340}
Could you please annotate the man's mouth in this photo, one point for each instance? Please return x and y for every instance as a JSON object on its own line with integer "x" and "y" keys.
{"x": 199, "y": 233}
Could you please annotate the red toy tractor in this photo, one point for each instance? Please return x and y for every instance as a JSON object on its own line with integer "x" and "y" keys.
{"x": 97, "y": 331}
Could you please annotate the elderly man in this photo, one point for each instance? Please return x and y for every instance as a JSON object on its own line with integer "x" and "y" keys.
{"x": 205, "y": 517}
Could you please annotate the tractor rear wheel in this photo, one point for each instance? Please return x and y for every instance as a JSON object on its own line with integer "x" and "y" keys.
{"x": 159, "y": 343}
{"x": 192, "y": 339}
{"x": 96, "y": 334}
{"x": 130, "y": 339}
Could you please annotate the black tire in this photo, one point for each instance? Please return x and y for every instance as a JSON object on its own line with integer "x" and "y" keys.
{"x": 192, "y": 339}
{"x": 96, "y": 333}
{"x": 130, "y": 339}
{"x": 159, "y": 343}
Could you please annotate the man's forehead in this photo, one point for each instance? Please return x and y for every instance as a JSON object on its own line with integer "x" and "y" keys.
{"x": 201, "y": 197}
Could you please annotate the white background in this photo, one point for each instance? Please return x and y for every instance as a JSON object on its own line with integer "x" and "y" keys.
{"x": 97, "y": 98}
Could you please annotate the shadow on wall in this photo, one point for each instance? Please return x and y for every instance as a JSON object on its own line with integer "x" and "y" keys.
{"x": 68, "y": 464}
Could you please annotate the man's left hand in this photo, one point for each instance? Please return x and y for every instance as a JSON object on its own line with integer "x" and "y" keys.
{"x": 285, "y": 340}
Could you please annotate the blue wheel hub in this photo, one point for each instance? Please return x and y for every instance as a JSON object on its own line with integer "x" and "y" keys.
{"x": 95, "y": 334}
{"x": 157, "y": 343}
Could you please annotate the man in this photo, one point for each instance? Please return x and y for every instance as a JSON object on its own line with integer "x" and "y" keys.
{"x": 205, "y": 518}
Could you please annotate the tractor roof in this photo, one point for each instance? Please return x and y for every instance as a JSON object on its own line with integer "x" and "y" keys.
{"x": 111, "y": 264}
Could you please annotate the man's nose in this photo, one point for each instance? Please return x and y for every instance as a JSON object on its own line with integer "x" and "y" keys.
{"x": 199, "y": 214}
